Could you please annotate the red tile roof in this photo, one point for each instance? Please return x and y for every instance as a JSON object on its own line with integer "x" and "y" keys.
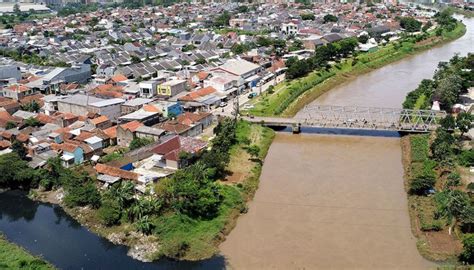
{"x": 111, "y": 132}
{"x": 132, "y": 126}
{"x": 109, "y": 170}
{"x": 198, "y": 93}
{"x": 100, "y": 119}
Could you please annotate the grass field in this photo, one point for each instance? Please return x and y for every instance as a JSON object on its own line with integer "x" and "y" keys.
{"x": 15, "y": 257}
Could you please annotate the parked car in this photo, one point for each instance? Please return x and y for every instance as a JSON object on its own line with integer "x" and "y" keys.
{"x": 223, "y": 104}
{"x": 248, "y": 106}
{"x": 252, "y": 95}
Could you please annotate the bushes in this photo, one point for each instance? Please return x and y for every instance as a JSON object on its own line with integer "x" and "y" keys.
{"x": 467, "y": 255}
{"x": 422, "y": 184}
{"x": 139, "y": 142}
{"x": 109, "y": 213}
{"x": 82, "y": 195}
{"x": 419, "y": 148}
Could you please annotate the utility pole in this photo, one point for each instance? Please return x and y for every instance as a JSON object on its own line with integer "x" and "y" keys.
{"x": 236, "y": 106}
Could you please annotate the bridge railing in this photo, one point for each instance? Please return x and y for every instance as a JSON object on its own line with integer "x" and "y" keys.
{"x": 371, "y": 118}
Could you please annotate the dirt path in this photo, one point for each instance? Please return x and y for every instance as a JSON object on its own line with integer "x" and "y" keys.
{"x": 327, "y": 202}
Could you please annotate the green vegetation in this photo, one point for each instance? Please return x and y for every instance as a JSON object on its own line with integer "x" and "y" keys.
{"x": 307, "y": 17}
{"x": 20, "y": 55}
{"x": 330, "y": 18}
{"x": 410, "y": 24}
{"x": 139, "y": 142}
{"x": 283, "y": 101}
{"x": 189, "y": 211}
{"x": 15, "y": 257}
{"x": 449, "y": 82}
{"x": 438, "y": 201}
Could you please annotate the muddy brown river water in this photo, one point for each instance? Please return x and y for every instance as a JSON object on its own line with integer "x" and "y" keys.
{"x": 336, "y": 201}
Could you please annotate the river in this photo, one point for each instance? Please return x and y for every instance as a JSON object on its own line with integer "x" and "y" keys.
{"x": 324, "y": 201}
{"x": 338, "y": 202}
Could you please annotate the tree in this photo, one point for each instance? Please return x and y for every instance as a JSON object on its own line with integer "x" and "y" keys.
{"x": 32, "y": 122}
{"x": 123, "y": 193}
{"x": 19, "y": 149}
{"x": 15, "y": 172}
{"x": 467, "y": 254}
{"x": 410, "y": 24}
{"x": 464, "y": 122}
{"x": 33, "y": 106}
{"x": 16, "y": 9}
{"x": 138, "y": 142}
{"x": 109, "y": 212}
{"x": 10, "y": 125}
{"x": 307, "y": 17}
{"x": 427, "y": 26}
{"x": 253, "y": 151}
{"x": 441, "y": 148}
{"x": 194, "y": 194}
{"x": 243, "y": 9}
{"x": 201, "y": 61}
{"x": 421, "y": 184}
{"x": 222, "y": 20}
{"x": 448, "y": 123}
{"x": 448, "y": 90}
{"x": 329, "y": 18}
{"x": 144, "y": 225}
{"x": 363, "y": 39}
{"x": 82, "y": 194}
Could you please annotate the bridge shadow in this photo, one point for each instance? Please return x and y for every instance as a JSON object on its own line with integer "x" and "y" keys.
{"x": 342, "y": 131}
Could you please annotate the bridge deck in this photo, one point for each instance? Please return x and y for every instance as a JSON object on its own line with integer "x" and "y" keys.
{"x": 359, "y": 118}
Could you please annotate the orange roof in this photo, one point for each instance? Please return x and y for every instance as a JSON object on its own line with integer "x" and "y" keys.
{"x": 188, "y": 118}
{"x": 18, "y": 88}
{"x": 111, "y": 132}
{"x": 132, "y": 126}
{"x": 109, "y": 170}
{"x": 202, "y": 75}
{"x": 22, "y": 137}
{"x": 119, "y": 78}
{"x": 150, "y": 108}
{"x": 104, "y": 87}
{"x": 198, "y": 93}
{"x": 4, "y": 144}
{"x": 67, "y": 147}
{"x": 100, "y": 119}
{"x": 43, "y": 118}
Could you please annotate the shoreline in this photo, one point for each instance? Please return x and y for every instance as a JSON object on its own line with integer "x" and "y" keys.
{"x": 341, "y": 77}
{"x": 146, "y": 248}
{"x": 14, "y": 256}
{"x": 346, "y": 77}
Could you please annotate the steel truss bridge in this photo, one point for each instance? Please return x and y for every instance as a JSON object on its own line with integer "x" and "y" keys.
{"x": 363, "y": 118}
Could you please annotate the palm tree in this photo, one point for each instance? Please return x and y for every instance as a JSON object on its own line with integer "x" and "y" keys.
{"x": 124, "y": 194}
{"x": 144, "y": 225}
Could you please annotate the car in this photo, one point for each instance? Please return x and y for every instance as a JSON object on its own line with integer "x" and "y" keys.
{"x": 252, "y": 95}
{"x": 248, "y": 106}
{"x": 223, "y": 104}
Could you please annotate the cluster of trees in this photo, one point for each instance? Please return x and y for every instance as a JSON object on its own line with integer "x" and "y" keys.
{"x": 329, "y": 18}
{"x": 307, "y": 17}
{"x": 20, "y": 55}
{"x": 139, "y": 142}
{"x": 410, "y": 24}
{"x": 191, "y": 191}
{"x": 222, "y": 20}
{"x": 323, "y": 54}
{"x": 449, "y": 82}
{"x": 445, "y": 21}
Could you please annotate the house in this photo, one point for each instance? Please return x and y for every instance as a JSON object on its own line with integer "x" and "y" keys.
{"x": 171, "y": 88}
{"x": 149, "y": 132}
{"x": 204, "y": 119}
{"x": 245, "y": 71}
{"x": 167, "y": 154}
{"x": 289, "y": 28}
{"x": 71, "y": 154}
{"x": 143, "y": 116}
{"x": 17, "y": 91}
{"x": 174, "y": 127}
{"x": 80, "y": 104}
{"x": 115, "y": 172}
{"x": 135, "y": 104}
{"x": 168, "y": 109}
{"x": 202, "y": 99}
{"x": 101, "y": 122}
{"x": 126, "y": 132}
{"x": 148, "y": 88}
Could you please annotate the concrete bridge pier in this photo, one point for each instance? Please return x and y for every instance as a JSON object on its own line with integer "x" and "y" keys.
{"x": 296, "y": 128}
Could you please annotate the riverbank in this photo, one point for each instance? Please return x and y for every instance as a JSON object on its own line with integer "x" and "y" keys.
{"x": 437, "y": 218}
{"x": 178, "y": 236}
{"x": 287, "y": 99}
{"x": 15, "y": 257}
